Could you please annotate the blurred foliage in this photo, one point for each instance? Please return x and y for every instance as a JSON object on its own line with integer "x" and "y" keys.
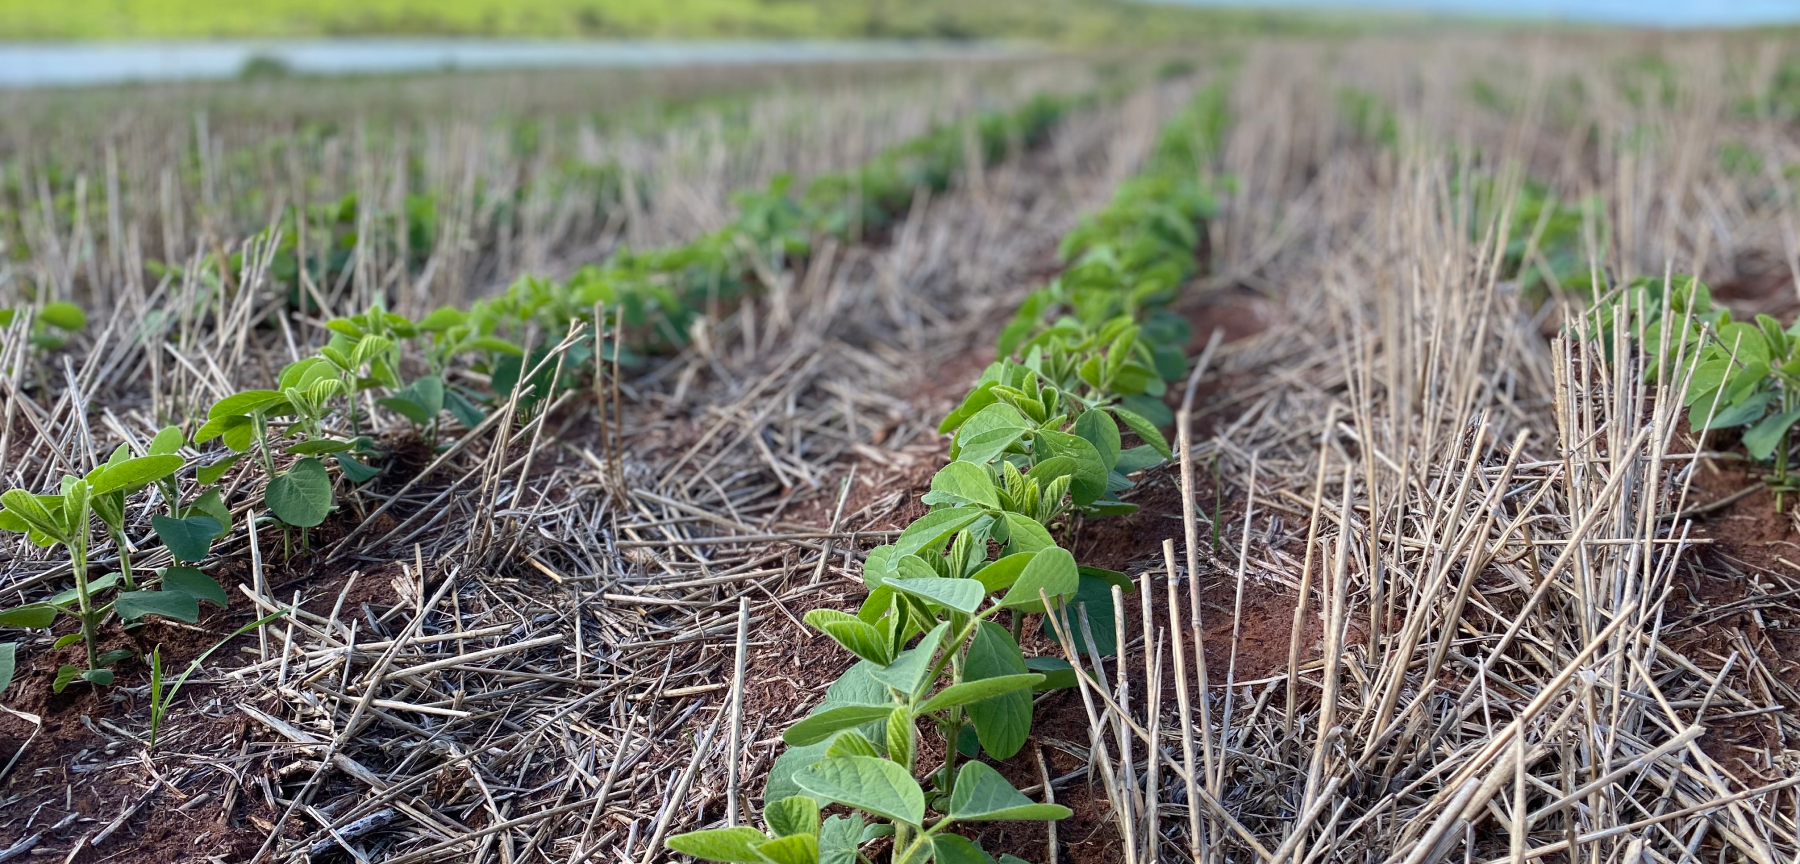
{"x": 1057, "y": 21}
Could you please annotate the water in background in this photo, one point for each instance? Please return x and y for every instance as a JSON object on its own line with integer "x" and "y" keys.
{"x": 50, "y": 64}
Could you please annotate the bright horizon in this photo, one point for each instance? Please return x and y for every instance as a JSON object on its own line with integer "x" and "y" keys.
{"x": 1655, "y": 13}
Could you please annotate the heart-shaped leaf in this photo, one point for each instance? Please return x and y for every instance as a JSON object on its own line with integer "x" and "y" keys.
{"x": 983, "y": 795}
{"x": 132, "y": 605}
{"x": 1058, "y": 674}
{"x": 195, "y": 584}
{"x": 1051, "y": 571}
{"x": 1762, "y": 439}
{"x": 301, "y": 496}
{"x": 1003, "y": 722}
{"x": 354, "y": 470}
{"x": 188, "y": 539}
{"x": 839, "y": 838}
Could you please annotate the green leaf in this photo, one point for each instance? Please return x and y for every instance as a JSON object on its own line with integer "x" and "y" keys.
{"x": 64, "y": 599}
{"x": 1026, "y": 535}
{"x": 935, "y": 528}
{"x": 1747, "y": 340}
{"x": 136, "y": 473}
{"x": 975, "y": 691}
{"x": 792, "y": 849}
{"x": 354, "y": 470}
{"x": 30, "y": 509}
{"x": 954, "y": 849}
{"x": 730, "y": 845}
{"x": 463, "y": 410}
{"x": 195, "y": 584}
{"x": 821, "y": 725}
{"x": 1090, "y": 471}
{"x": 66, "y": 640}
{"x": 210, "y": 474}
{"x": 902, "y": 736}
{"x": 244, "y": 404}
{"x": 8, "y": 662}
{"x": 1051, "y": 571}
{"x": 111, "y": 657}
{"x": 1098, "y": 429}
{"x": 167, "y": 442}
{"x": 1004, "y": 572}
{"x": 986, "y": 435}
{"x": 236, "y": 430}
{"x": 32, "y": 616}
{"x": 132, "y": 605}
{"x": 857, "y": 637}
{"x": 873, "y": 785}
{"x": 412, "y": 411}
{"x": 1737, "y": 415}
{"x": 963, "y": 483}
{"x": 780, "y": 782}
{"x": 65, "y": 675}
{"x": 63, "y": 316}
{"x": 427, "y": 393}
{"x": 1762, "y": 439}
{"x": 850, "y": 742}
{"x": 188, "y": 539}
{"x": 301, "y": 496}
{"x": 1145, "y": 430}
{"x": 983, "y": 795}
{"x": 1058, "y": 674}
{"x": 318, "y": 446}
{"x": 963, "y": 595}
{"x": 1095, "y": 595}
{"x": 212, "y": 504}
{"x": 1002, "y": 723}
{"x": 839, "y": 838}
{"x": 795, "y": 814}
{"x": 443, "y": 319}
{"x": 908, "y": 670}
{"x": 1137, "y": 459}
{"x": 1110, "y": 577}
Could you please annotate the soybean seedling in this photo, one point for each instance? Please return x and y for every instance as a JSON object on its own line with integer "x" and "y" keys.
{"x": 65, "y": 520}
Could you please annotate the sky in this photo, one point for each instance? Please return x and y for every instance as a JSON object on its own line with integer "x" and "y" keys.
{"x": 1659, "y": 13}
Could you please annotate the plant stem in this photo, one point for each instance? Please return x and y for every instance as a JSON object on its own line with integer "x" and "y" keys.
{"x": 78, "y": 557}
{"x": 118, "y": 538}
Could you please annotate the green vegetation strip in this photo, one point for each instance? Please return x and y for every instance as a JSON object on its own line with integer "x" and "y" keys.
{"x": 1037, "y": 440}
{"x": 291, "y": 433}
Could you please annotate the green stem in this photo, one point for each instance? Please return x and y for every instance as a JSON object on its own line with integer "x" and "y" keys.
{"x": 78, "y": 557}
{"x": 118, "y": 538}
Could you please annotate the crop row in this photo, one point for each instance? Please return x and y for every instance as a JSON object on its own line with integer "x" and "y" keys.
{"x": 1038, "y": 441}
{"x": 309, "y": 434}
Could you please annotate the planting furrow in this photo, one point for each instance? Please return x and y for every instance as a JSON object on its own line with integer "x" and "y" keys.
{"x": 271, "y": 578}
